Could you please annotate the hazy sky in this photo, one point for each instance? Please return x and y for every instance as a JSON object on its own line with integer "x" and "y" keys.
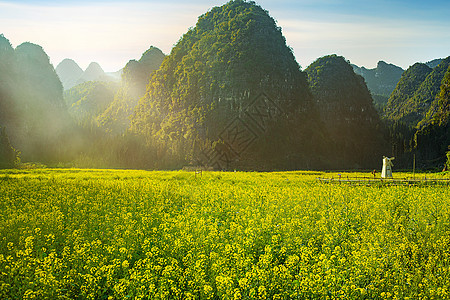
{"x": 401, "y": 32}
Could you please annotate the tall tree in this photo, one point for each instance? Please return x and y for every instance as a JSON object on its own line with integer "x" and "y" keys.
{"x": 8, "y": 155}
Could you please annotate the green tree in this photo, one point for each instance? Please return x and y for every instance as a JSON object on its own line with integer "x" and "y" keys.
{"x": 9, "y": 157}
{"x": 442, "y": 115}
{"x": 448, "y": 159}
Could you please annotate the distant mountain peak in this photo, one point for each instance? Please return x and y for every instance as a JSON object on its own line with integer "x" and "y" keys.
{"x": 150, "y": 52}
{"x": 68, "y": 72}
{"x": 381, "y": 80}
{"x": 94, "y": 67}
{"x": 382, "y": 63}
{"x": 434, "y": 63}
{"x": 5, "y": 45}
{"x": 32, "y": 51}
{"x": 67, "y": 62}
{"x": 93, "y": 72}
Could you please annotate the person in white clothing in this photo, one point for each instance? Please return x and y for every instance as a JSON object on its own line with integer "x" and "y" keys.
{"x": 386, "y": 172}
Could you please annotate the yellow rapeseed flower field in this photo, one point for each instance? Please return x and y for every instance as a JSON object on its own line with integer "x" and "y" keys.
{"x": 123, "y": 234}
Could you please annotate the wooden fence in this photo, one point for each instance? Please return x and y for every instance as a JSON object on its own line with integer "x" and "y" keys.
{"x": 424, "y": 181}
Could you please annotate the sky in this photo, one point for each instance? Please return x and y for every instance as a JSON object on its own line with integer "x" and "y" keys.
{"x": 401, "y": 32}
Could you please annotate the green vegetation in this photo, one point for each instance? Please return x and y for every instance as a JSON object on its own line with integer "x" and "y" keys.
{"x": 433, "y": 137}
{"x": 441, "y": 115}
{"x": 31, "y": 103}
{"x": 9, "y": 157}
{"x": 87, "y": 101}
{"x": 418, "y": 108}
{"x": 102, "y": 111}
{"x": 404, "y": 93}
{"x": 347, "y": 111}
{"x": 380, "y": 81}
{"x": 434, "y": 63}
{"x": 380, "y": 103}
{"x": 233, "y": 55}
{"x": 51, "y": 129}
{"x": 447, "y": 164}
{"x": 104, "y": 234}
{"x": 135, "y": 77}
{"x": 415, "y": 93}
{"x": 428, "y": 92}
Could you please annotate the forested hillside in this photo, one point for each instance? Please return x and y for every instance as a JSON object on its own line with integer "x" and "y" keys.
{"x": 32, "y": 111}
{"x": 381, "y": 81}
{"x": 135, "y": 77}
{"x": 108, "y": 105}
{"x": 415, "y": 92}
{"x": 9, "y": 158}
{"x": 102, "y": 113}
{"x": 88, "y": 100}
{"x": 434, "y": 63}
{"x": 8, "y": 76}
{"x": 229, "y": 95}
{"x": 346, "y": 108}
{"x": 412, "y": 111}
{"x": 432, "y": 139}
{"x": 69, "y": 72}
